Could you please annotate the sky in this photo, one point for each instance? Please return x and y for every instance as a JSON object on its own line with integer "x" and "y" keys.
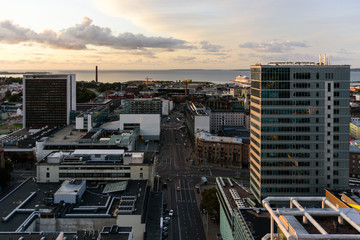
{"x": 166, "y": 34}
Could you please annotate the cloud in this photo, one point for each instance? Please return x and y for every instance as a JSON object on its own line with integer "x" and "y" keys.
{"x": 183, "y": 59}
{"x": 273, "y": 46}
{"x": 86, "y": 33}
{"x": 210, "y": 47}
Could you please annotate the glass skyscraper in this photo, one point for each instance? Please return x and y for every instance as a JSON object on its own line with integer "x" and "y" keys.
{"x": 299, "y": 128}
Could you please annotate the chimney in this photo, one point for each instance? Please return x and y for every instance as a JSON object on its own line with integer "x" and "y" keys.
{"x": 2, "y": 158}
{"x": 320, "y": 59}
{"x": 96, "y": 74}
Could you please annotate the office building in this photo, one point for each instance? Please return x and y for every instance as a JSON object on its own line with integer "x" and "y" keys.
{"x": 299, "y": 128}
{"x": 48, "y": 99}
{"x": 96, "y": 165}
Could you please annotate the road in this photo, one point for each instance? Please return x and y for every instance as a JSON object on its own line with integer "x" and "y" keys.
{"x": 180, "y": 192}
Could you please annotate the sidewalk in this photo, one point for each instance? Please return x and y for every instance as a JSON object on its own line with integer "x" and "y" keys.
{"x": 213, "y": 228}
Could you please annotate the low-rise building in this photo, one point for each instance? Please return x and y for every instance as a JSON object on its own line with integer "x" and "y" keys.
{"x": 240, "y": 217}
{"x": 355, "y": 129}
{"x": 354, "y": 159}
{"x": 144, "y": 114}
{"x": 197, "y": 119}
{"x": 228, "y": 117}
{"x": 103, "y": 210}
{"x": 96, "y": 165}
{"x": 224, "y": 151}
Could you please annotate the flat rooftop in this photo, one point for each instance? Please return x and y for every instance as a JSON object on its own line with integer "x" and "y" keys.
{"x": 213, "y": 138}
{"x": 18, "y": 206}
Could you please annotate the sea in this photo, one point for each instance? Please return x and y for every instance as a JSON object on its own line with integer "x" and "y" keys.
{"x": 196, "y": 75}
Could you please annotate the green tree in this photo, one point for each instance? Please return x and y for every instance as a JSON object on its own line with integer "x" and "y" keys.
{"x": 15, "y": 98}
{"x": 210, "y": 203}
{"x": 7, "y": 94}
{"x": 84, "y": 95}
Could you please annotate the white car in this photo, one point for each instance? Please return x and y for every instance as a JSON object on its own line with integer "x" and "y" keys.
{"x": 171, "y": 212}
{"x": 167, "y": 218}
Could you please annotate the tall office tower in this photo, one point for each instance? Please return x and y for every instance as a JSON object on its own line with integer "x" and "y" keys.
{"x": 299, "y": 128}
{"x": 48, "y": 99}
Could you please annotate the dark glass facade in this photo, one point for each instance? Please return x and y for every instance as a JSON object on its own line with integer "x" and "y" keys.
{"x": 45, "y": 101}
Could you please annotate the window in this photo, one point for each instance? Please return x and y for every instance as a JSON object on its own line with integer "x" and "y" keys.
{"x": 336, "y": 85}
{"x": 336, "y": 129}
{"x": 329, "y": 107}
{"x": 336, "y": 111}
{"x": 336, "y": 120}
{"x": 141, "y": 175}
{"x": 329, "y": 98}
{"x": 47, "y": 174}
{"x": 337, "y": 102}
{"x": 317, "y": 77}
{"x": 336, "y": 94}
{"x": 336, "y": 137}
{"x": 329, "y": 87}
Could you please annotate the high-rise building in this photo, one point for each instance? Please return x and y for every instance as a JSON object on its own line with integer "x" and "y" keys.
{"x": 48, "y": 99}
{"x": 299, "y": 128}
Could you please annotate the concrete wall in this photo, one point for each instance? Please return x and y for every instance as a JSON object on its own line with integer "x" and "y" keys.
{"x": 43, "y": 169}
{"x": 74, "y": 224}
{"x": 149, "y": 123}
{"x": 202, "y": 123}
{"x": 135, "y": 222}
{"x": 79, "y": 123}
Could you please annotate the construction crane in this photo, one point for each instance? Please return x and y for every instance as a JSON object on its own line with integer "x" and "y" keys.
{"x": 186, "y": 81}
{"x": 147, "y": 82}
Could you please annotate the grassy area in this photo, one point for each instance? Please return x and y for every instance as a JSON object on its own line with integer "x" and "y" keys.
{"x": 18, "y": 125}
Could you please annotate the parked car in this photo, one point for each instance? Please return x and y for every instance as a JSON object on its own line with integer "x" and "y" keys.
{"x": 165, "y": 229}
{"x": 171, "y": 212}
{"x": 167, "y": 218}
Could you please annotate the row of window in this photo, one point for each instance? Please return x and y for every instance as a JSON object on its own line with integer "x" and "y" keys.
{"x": 94, "y": 168}
{"x": 286, "y": 164}
{"x": 285, "y": 120}
{"x": 285, "y": 129}
{"x": 285, "y": 111}
{"x": 285, "y": 155}
{"x": 281, "y": 190}
{"x": 285, "y": 146}
{"x": 94, "y": 175}
{"x": 284, "y": 103}
{"x": 285, "y": 181}
{"x": 285, "y": 138}
{"x": 285, "y": 172}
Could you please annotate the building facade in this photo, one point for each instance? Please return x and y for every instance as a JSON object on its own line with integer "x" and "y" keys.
{"x": 48, "y": 99}
{"x": 299, "y": 128}
{"x": 224, "y": 151}
{"x": 96, "y": 165}
{"x": 220, "y": 118}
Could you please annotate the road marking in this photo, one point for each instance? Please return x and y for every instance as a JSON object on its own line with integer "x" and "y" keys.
{"x": 177, "y": 208}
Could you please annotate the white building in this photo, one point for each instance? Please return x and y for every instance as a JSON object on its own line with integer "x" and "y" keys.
{"x": 220, "y": 118}
{"x": 149, "y": 124}
{"x": 96, "y": 165}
